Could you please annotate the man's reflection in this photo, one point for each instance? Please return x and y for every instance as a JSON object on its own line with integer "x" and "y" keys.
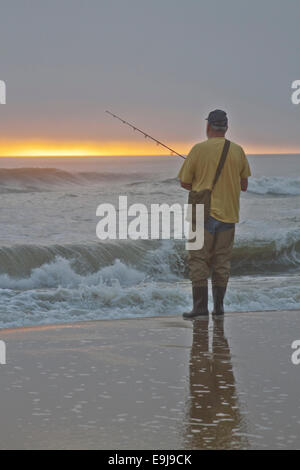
{"x": 213, "y": 413}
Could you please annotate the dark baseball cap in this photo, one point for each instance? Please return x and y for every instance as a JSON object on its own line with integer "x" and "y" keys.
{"x": 217, "y": 117}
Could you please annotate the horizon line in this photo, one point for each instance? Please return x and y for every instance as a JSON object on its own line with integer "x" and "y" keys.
{"x": 136, "y": 155}
{"x": 73, "y": 148}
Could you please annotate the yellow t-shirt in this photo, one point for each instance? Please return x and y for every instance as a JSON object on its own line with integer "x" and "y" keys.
{"x": 199, "y": 169}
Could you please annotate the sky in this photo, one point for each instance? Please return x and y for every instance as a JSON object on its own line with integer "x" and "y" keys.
{"x": 161, "y": 64}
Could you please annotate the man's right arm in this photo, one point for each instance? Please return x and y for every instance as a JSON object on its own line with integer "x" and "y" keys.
{"x": 245, "y": 172}
{"x": 244, "y": 184}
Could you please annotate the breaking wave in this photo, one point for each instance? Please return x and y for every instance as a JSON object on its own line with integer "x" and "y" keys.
{"x": 45, "y": 179}
{"x": 79, "y": 282}
{"x": 153, "y": 259}
{"x": 275, "y": 185}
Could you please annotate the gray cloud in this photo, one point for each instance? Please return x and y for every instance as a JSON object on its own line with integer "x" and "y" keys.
{"x": 161, "y": 63}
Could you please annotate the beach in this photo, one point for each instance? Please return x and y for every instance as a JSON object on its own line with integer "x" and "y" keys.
{"x": 153, "y": 383}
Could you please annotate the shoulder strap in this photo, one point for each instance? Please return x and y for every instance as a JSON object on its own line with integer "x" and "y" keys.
{"x": 221, "y": 162}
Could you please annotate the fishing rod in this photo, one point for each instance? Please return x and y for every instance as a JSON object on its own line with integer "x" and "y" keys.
{"x": 145, "y": 135}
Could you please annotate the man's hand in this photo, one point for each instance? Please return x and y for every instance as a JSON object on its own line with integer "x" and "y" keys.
{"x": 244, "y": 184}
{"x": 187, "y": 186}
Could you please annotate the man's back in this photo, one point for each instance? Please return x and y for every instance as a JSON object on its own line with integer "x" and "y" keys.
{"x": 200, "y": 168}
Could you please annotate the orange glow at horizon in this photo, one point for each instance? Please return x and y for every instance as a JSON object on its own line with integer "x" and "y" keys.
{"x": 43, "y": 148}
{"x": 82, "y": 148}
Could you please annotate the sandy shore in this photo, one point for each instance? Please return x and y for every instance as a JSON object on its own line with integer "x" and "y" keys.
{"x": 154, "y": 383}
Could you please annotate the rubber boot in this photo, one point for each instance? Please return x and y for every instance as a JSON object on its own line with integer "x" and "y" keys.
{"x": 200, "y": 301}
{"x": 218, "y": 296}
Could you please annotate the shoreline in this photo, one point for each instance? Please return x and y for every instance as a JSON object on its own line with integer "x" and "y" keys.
{"x": 77, "y": 324}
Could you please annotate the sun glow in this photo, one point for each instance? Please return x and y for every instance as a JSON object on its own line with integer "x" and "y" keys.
{"x": 74, "y": 149}
{"x": 42, "y": 148}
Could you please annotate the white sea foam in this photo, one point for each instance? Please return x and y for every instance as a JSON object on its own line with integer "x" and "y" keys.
{"x": 279, "y": 185}
{"x": 119, "y": 298}
{"x": 60, "y": 273}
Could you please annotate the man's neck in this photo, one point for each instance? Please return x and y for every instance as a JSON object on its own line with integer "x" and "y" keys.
{"x": 215, "y": 134}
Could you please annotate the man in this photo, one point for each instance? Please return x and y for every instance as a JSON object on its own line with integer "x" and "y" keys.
{"x": 197, "y": 173}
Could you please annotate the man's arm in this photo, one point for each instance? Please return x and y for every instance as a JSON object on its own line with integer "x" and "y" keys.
{"x": 187, "y": 186}
{"x": 244, "y": 184}
{"x": 245, "y": 172}
{"x": 186, "y": 173}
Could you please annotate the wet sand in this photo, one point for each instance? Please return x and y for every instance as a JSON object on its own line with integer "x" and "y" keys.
{"x": 153, "y": 383}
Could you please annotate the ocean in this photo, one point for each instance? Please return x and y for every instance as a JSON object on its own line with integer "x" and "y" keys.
{"x": 54, "y": 269}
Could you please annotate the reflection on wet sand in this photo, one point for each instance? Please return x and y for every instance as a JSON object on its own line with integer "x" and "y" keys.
{"x": 214, "y": 418}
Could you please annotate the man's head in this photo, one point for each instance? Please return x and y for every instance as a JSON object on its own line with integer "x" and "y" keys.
{"x": 217, "y": 123}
